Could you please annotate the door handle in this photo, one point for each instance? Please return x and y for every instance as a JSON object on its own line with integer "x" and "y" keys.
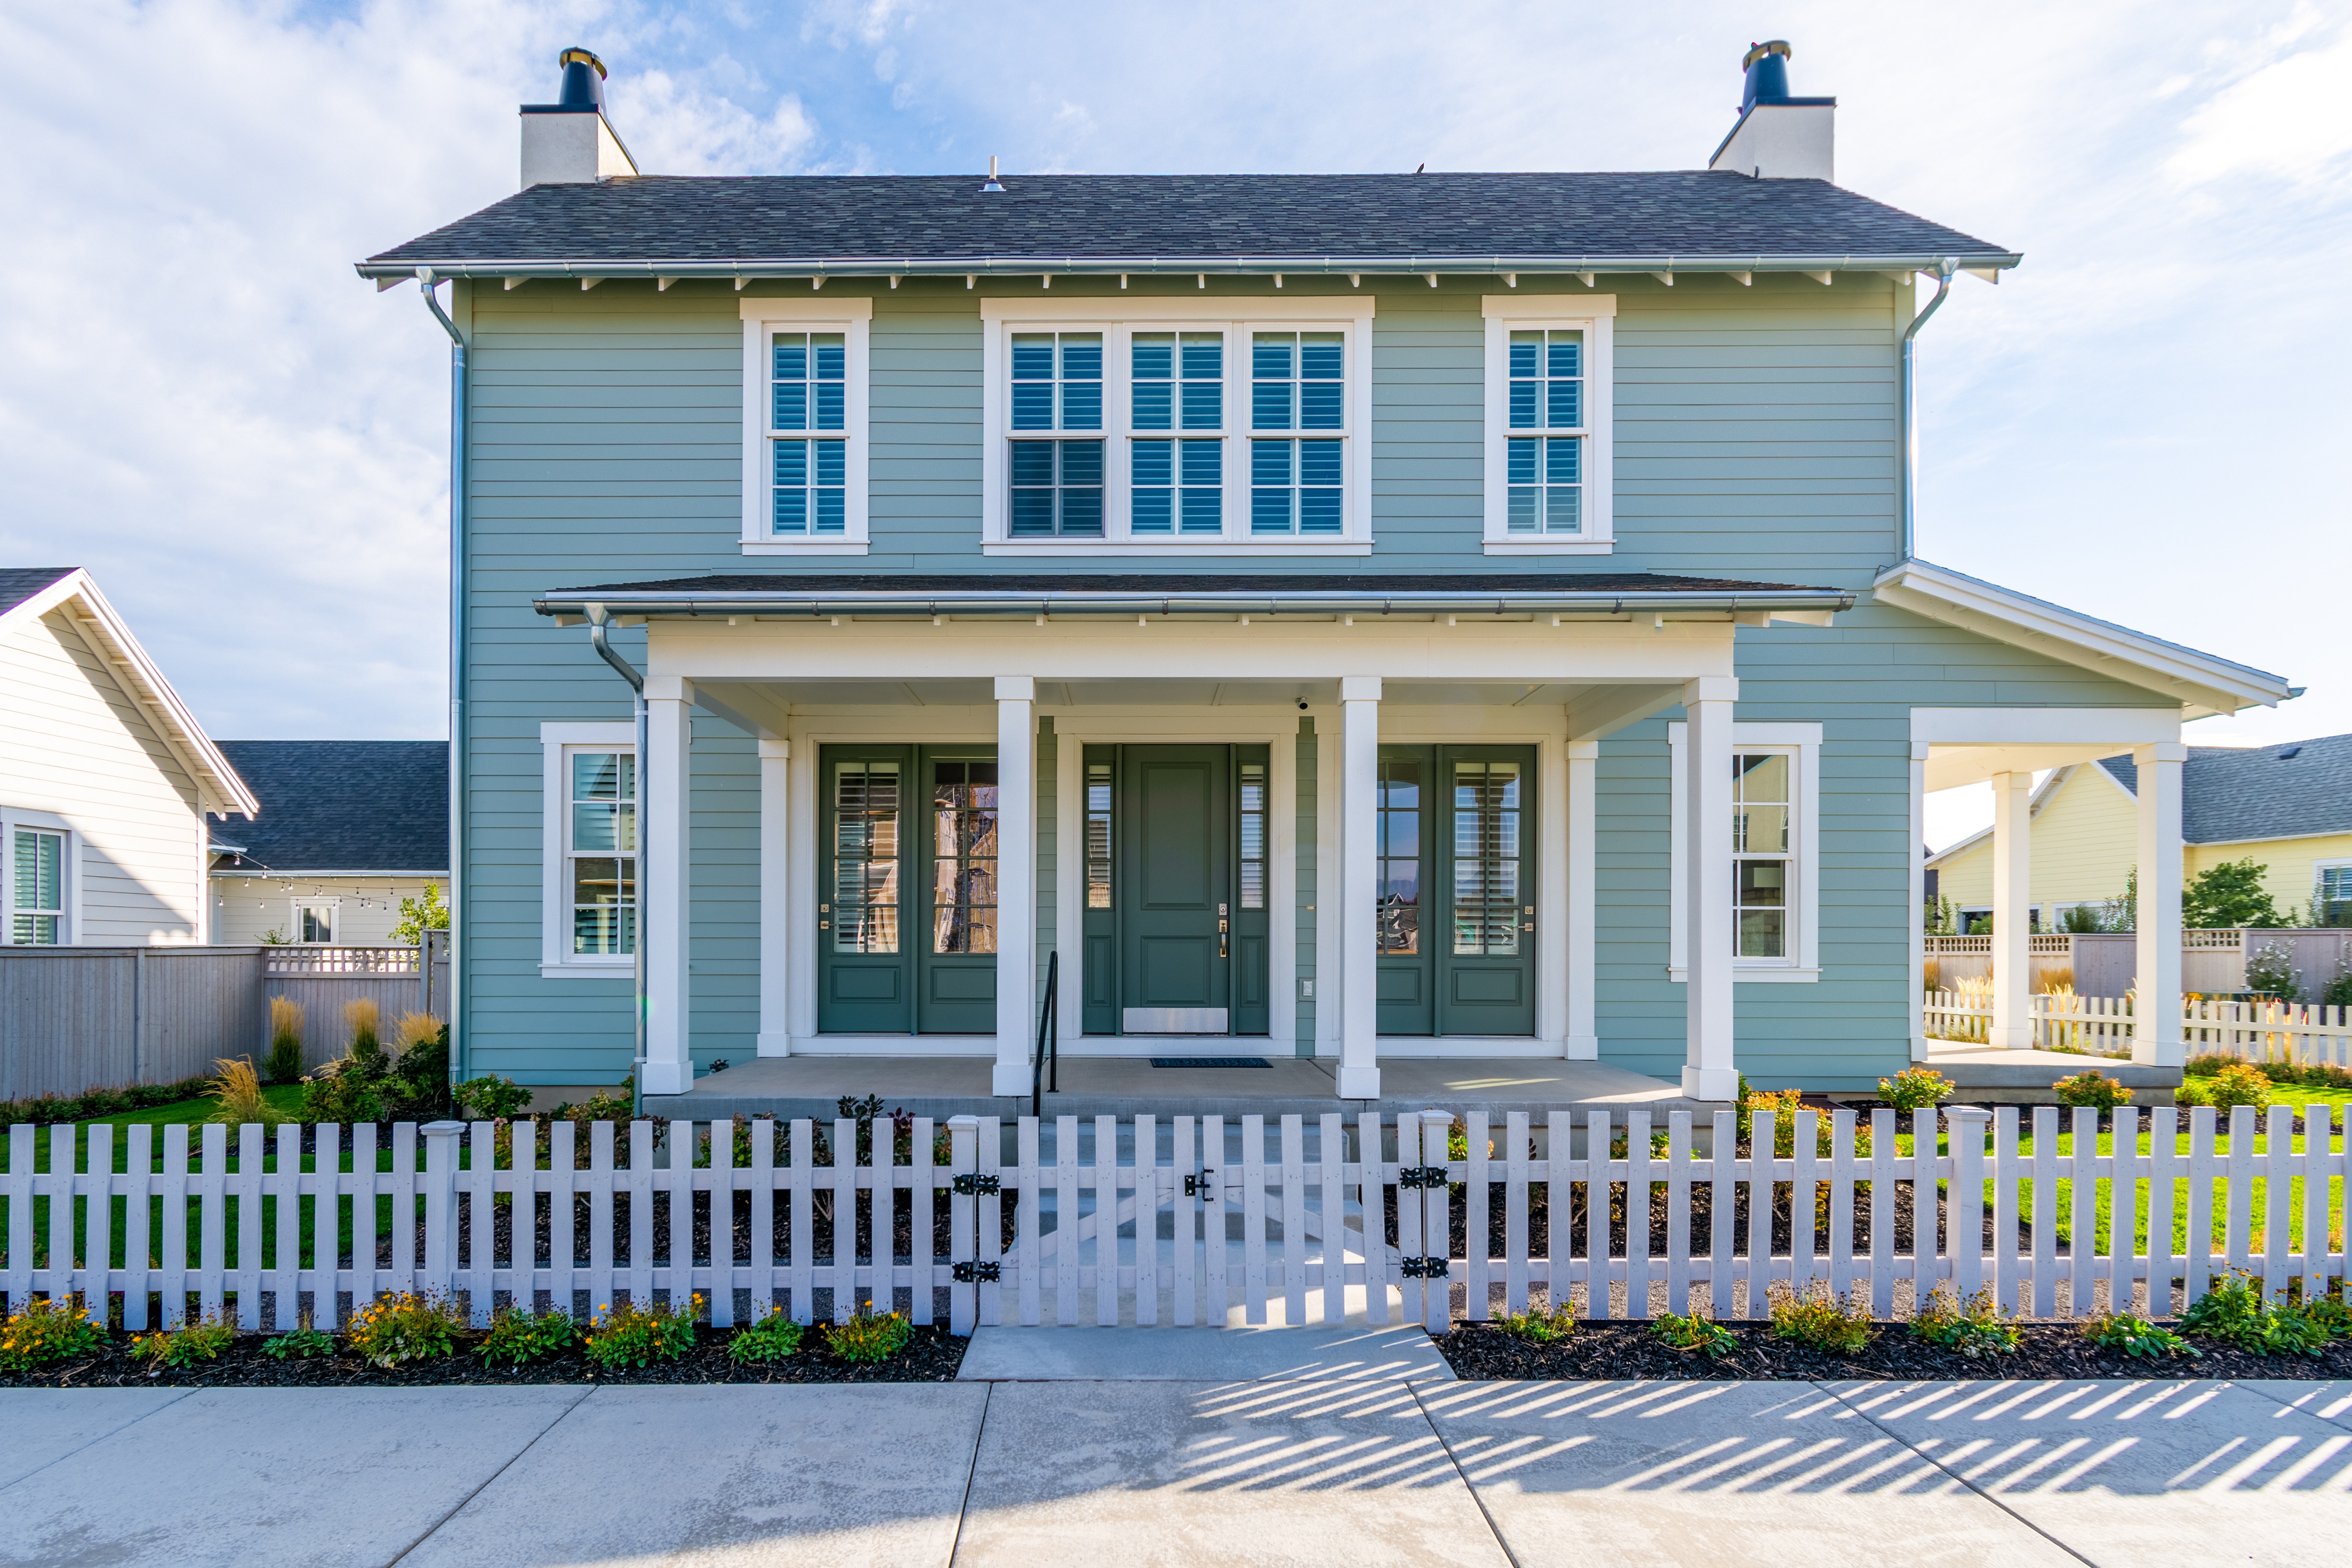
{"x": 1220, "y": 945}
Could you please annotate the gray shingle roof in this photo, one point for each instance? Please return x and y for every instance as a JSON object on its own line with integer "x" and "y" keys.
{"x": 343, "y": 805}
{"x": 843, "y": 220}
{"x": 18, "y": 584}
{"x": 2229, "y": 792}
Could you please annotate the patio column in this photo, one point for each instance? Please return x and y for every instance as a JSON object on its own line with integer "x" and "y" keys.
{"x": 775, "y": 899}
{"x": 1359, "y": 891}
{"x": 2012, "y": 922}
{"x": 1708, "y": 1068}
{"x": 1016, "y": 880}
{"x": 1583, "y": 1043}
{"x": 2156, "y": 1007}
{"x": 663, "y": 789}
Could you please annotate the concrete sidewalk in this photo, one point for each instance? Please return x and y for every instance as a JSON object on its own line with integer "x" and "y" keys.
{"x": 1362, "y": 1470}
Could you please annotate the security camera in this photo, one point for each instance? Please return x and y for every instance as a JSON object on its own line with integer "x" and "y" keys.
{"x": 1302, "y": 705}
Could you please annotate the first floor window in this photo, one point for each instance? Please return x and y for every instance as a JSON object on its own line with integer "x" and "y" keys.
{"x": 2331, "y": 899}
{"x": 315, "y": 921}
{"x": 1296, "y": 487}
{"x": 1761, "y": 798}
{"x": 1057, "y": 489}
{"x": 1397, "y": 842}
{"x": 1547, "y": 479}
{"x": 1253, "y": 856}
{"x": 1099, "y": 836}
{"x": 36, "y": 887}
{"x": 601, "y": 852}
{"x": 1177, "y": 487}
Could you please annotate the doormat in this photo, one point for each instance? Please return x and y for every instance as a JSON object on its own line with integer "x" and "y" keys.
{"x": 1211, "y": 1062}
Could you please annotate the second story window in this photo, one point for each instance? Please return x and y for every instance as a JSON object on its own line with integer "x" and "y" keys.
{"x": 1297, "y": 383}
{"x": 1547, "y": 470}
{"x": 809, "y": 395}
{"x": 1547, "y": 424}
{"x": 1176, "y": 485}
{"x": 804, "y": 406}
{"x": 1057, "y": 390}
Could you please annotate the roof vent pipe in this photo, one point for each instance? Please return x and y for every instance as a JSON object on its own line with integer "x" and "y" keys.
{"x": 1767, "y": 66}
{"x": 583, "y": 82}
{"x": 992, "y": 185}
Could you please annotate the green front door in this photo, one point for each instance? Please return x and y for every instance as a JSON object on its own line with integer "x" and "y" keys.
{"x": 906, "y": 893}
{"x": 1455, "y": 843}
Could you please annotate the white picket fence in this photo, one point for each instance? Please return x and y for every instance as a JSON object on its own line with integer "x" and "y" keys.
{"x": 2303, "y": 1033}
{"x": 1240, "y": 1221}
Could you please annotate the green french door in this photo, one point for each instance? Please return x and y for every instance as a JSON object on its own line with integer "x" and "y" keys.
{"x": 1175, "y": 926}
{"x": 1455, "y": 838}
{"x": 906, "y": 893}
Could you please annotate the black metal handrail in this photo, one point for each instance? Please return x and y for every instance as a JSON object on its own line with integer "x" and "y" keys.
{"x": 1048, "y": 1037}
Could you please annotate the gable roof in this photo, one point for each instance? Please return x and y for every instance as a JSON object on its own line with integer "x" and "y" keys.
{"x": 28, "y": 593}
{"x": 2233, "y": 793}
{"x": 1693, "y": 219}
{"x": 345, "y": 805}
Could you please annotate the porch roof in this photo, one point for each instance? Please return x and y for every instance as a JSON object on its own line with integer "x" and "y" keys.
{"x": 1015, "y": 594}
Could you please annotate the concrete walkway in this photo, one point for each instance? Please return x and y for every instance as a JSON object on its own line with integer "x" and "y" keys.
{"x": 1363, "y": 1471}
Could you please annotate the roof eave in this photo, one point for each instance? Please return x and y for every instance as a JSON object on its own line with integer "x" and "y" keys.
{"x": 1033, "y": 601}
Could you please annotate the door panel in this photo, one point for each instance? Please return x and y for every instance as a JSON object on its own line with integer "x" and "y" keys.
{"x": 1171, "y": 976}
{"x": 958, "y": 916}
{"x": 1401, "y": 844}
{"x": 1456, "y": 848}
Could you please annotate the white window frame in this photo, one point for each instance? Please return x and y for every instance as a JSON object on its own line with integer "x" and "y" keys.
{"x": 2319, "y": 870}
{"x": 557, "y": 743}
{"x": 1803, "y": 744}
{"x": 1119, "y": 319}
{"x": 334, "y": 907}
{"x": 852, "y": 317}
{"x": 1594, "y": 315}
{"x": 69, "y": 873}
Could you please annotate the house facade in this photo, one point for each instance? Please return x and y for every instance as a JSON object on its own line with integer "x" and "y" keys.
{"x": 105, "y": 777}
{"x": 1348, "y": 618}
{"x": 352, "y": 829}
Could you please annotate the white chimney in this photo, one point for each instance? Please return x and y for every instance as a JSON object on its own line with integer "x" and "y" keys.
{"x": 569, "y": 141}
{"x": 1777, "y": 137}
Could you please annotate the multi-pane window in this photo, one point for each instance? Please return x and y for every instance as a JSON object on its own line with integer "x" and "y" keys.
{"x": 808, "y": 435}
{"x": 37, "y": 908}
{"x": 864, "y": 907}
{"x": 963, "y": 857}
{"x": 1297, "y": 383}
{"x": 1057, "y": 387}
{"x": 315, "y": 921}
{"x": 1396, "y": 810}
{"x": 601, "y": 853}
{"x": 2331, "y": 896}
{"x": 1177, "y": 485}
{"x": 1097, "y": 836}
{"x": 1179, "y": 381}
{"x": 1544, "y": 458}
{"x": 1760, "y": 802}
{"x": 1252, "y": 835}
{"x": 1486, "y": 883}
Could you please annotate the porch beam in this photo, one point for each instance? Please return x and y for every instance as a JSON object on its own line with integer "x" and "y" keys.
{"x": 2012, "y": 898}
{"x": 1709, "y": 1072}
{"x": 1016, "y": 880}
{"x": 664, "y": 787}
{"x": 1610, "y": 709}
{"x": 1359, "y": 741}
{"x": 2155, "y": 1029}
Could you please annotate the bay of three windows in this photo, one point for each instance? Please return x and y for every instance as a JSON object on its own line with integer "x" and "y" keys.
{"x": 1178, "y": 436}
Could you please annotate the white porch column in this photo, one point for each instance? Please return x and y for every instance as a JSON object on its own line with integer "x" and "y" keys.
{"x": 2155, "y": 1027}
{"x": 1583, "y": 1043}
{"x": 663, "y": 782}
{"x": 2013, "y": 899}
{"x": 1360, "y": 892}
{"x": 1918, "y": 900}
{"x": 1708, "y": 1067}
{"x": 775, "y": 899}
{"x": 1016, "y": 879}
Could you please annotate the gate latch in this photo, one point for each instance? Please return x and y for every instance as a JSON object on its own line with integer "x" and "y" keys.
{"x": 1199, "y": 1183}
{"x": 969, "y": 1185}
{"x": 1422, "y": 1176}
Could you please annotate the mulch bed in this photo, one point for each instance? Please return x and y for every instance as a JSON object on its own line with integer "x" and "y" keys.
{"x": 1618, "y": 1351}
{"x": 933, "y": 1355}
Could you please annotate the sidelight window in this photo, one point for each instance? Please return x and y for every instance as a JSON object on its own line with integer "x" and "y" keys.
{"x": 1099, "y": 808}
{"x": 963, "y": 857}
{"x": 1397, "y": 808}
{"x": 1252, "y": 835}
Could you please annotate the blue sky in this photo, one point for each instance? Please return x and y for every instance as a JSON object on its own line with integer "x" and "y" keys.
{"x": 248, "y": 446}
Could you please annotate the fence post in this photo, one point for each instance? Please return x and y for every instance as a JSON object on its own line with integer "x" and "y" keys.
{"x": 440, "y": 1205}
{"x": 1964, "y": 1208}
{"x": 963, "y": 1234}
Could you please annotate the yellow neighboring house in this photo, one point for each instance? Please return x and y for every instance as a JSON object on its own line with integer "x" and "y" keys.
{"x": 2287, "y": 808}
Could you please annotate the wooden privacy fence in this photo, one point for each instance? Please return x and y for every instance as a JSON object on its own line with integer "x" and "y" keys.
{"x": 1193, "y": 1220}
{"x": 2299, "y": 1032}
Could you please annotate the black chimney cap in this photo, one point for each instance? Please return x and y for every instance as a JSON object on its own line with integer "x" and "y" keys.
{"x": 1767, "y": 65}
{"x": 584, "y": 81}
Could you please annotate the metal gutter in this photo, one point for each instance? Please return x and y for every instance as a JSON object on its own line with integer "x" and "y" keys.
{"x": 802, "y": 267}
{"x": 917, "y": 601}
{"x": 1908, "y": 453}
{"x": 458, "y": 1065}
{"x": 598, "y": 638}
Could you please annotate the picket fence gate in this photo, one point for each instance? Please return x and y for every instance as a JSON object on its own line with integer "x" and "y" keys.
{"x": 1292, "y": 1220}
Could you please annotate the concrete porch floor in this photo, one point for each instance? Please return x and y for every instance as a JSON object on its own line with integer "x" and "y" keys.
{"x": 941, "y": 1086}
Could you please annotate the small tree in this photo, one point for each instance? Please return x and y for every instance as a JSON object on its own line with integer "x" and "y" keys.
{"x": 2227, "y": 896}
{"x": 2123, "y": 914}
{"x": 418, "y": 916}
{"x": 1941, "y": 918}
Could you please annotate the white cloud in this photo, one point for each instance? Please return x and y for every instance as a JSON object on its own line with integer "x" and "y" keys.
{"x": 2286, "y": 121}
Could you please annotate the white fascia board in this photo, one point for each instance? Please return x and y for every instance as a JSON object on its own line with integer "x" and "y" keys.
{"x": 2203, "y": 683}
{"x": 219, "y": 789}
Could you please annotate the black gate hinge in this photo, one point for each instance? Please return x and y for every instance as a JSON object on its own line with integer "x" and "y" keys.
{"x": 987, "y": 1273}
{"x": 1422, "y": 1267}
{"x": 1422, "y": 1176}
{"x": 969, "y": 1185}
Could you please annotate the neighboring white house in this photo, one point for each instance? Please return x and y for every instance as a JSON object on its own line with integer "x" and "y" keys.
{"x": 353, "y": 828}
{"x": 105, "y": 776}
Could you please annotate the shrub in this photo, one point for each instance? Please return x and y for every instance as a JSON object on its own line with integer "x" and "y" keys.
{"x": 639, "y": 1336}
{"x": 867, "y": 1336}
{"x": 406, "y": 1327}
{"x": 517, "y": 1336}
{"x": 418, "y": 916}
{"x": 47, "y": 1109}
{"x": 198, "y": 1339}
{"x": 772, "y": 1338}
{"x": 1974, "y": 1327}
{"x": 363, "y": 1018}
{"x": 43, "y": 1329}
{"x": 1540, "y": 1328}
{"x": 2338, "y": 991}
{"x": 2136, "y": 1336}
{"x": 2235, "y": 1313}
{"x": 2239, "y": 1083}
{"x": 1819, "y": 1319}
{"x": 2228, "y": 895}
{"x": 1931, "y": 976}
{"x": 300, "y": 1342}
{"x": 2058, "y": 982}
{"x": 2271, "y": 968}
{"x": 2206, "y": 1066}
{"x": 285, "y": 1063}
{"x": 237, "y": 1096}
{"x": 1916, "y": 1088}
{"x": 2091, "y": 1088}
{"x": 492, "y": 1099}
{"x": 1693, "y": 1330}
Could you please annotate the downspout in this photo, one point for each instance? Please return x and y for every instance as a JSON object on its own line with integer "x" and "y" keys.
{"x": 455, "y": 1000}
{"x": 1909, "y": 487}
{"x": 597, "y": 622}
